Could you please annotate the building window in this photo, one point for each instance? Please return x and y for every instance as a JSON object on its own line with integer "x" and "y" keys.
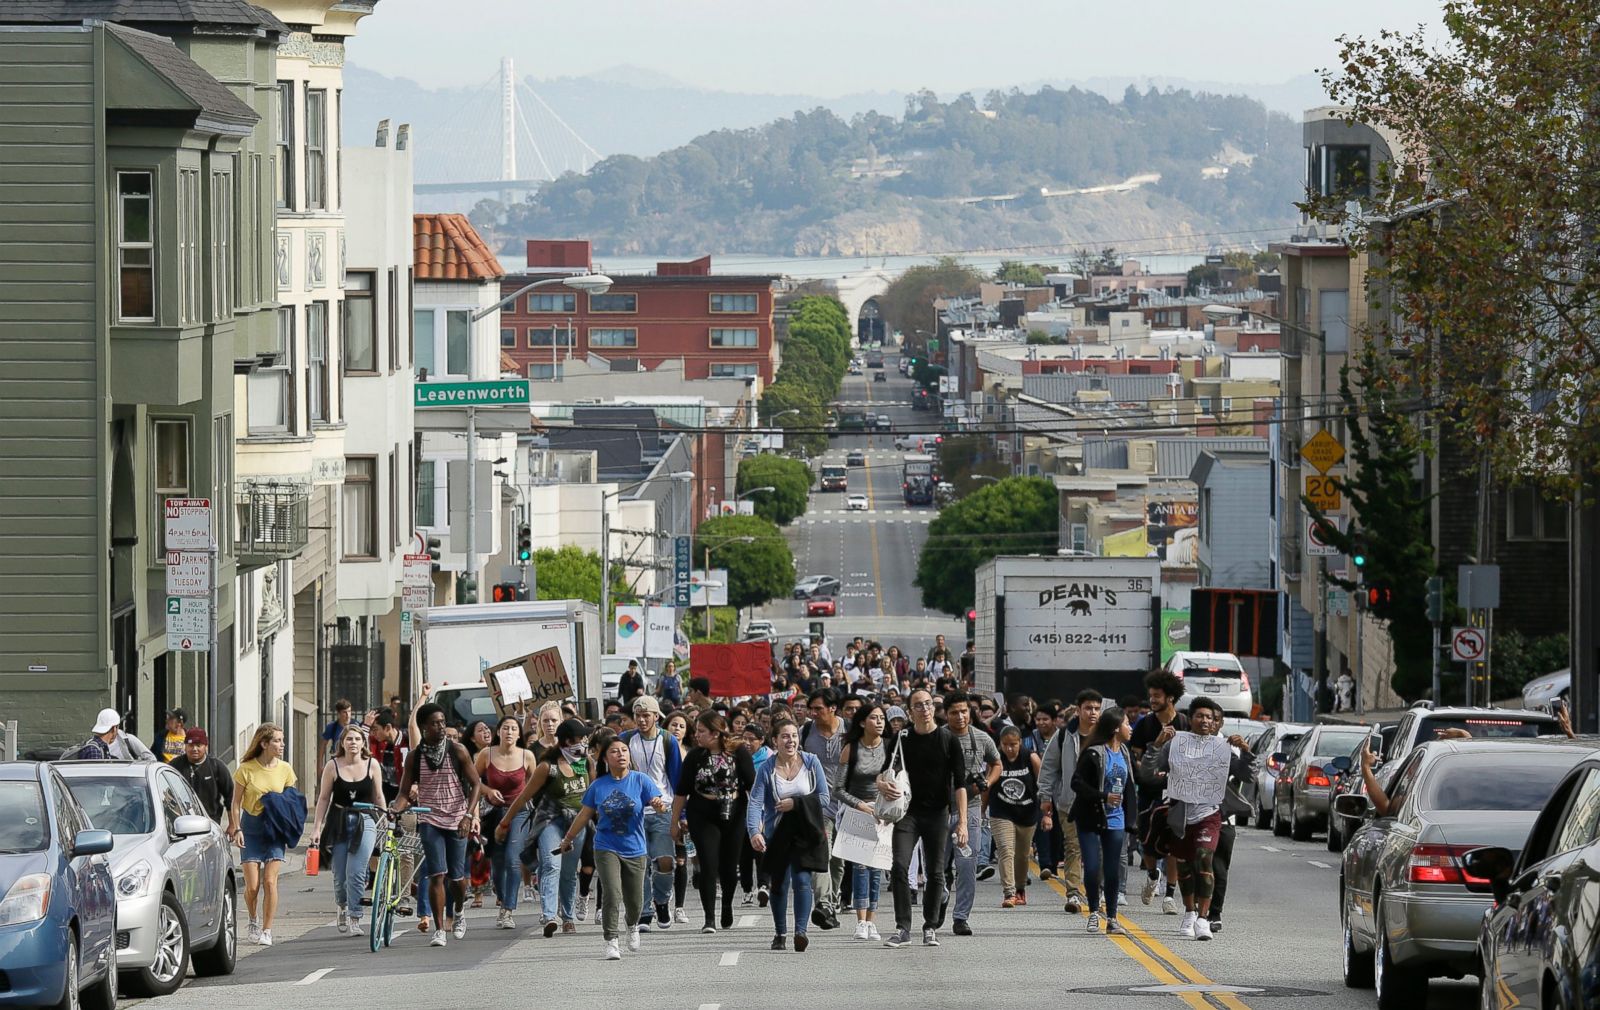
{"x": 221, "y": 245}
{"x": 171, "y": 479}
{"x": 316, "y": 149}
{"x": 338, "y": 134}
{"x": 318, "y": 408}
{"x": 508, "y": 337}
{"x": 190, "y": 278}
{"x": 558, "y": 302}
{"x": 425, "y": 493}
{"x": 1347, "y": 171}
{"x": 394, "y": 497}
{"x": 222, "y": 482}
{"x": 360, "y": 507}
{"x": 1532, "y": 516}
{"x": 360, "y": 330}
{"x": 545, "y": 371}
{"x": 734, "y": 303}
{"x": 724, "y": 370}
{"x": 285, "y": 156}
{"x": 549, "y": 336}
{"x": 458, "y": 342}
{"x": 422, "y": 340}
{"x": 270, "y": 387}
{"x": 245, "y": 618}
{"x": 735, "y": 338}
{"x": 613, "y": 303}
{"x": 394, "y": 318}
{"x": 1333, "y": 314}
{"x": 136, "y": 267}
{"x": 613, "y": 338}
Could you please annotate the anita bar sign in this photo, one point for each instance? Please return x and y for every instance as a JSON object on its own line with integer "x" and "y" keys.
{"x": 498, "y": 393}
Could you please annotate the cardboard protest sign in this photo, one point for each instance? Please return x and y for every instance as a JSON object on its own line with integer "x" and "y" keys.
{"x": 529, "y": 680}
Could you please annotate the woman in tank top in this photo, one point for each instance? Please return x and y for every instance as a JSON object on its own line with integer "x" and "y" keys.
{"x": 1013, "y": 813}
{"x": 556, "y": 786}
{"x": 862, "y": 758}
{"x": 351, "y": 777}
{"x": 504, "y": 768}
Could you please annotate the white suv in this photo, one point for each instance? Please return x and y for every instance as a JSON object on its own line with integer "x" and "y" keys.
{"x": 1215, "y": 675}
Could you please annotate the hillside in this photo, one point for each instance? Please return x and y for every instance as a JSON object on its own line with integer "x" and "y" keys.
{"x": 1051, "y": 169}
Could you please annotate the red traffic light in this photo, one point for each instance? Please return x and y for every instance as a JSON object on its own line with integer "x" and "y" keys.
{"x": 972, "y": 615}
{"x": 1378, "y": 596}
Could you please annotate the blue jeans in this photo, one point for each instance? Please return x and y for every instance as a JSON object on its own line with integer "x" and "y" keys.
{"x": 350, "y": 857}
{"x": 658, "y": 842}
{"x": 966, "y": 866}
{"x": 558, "y": 875}
{"x": 1102, "y": 860}
{"x": 505, "y": 862}
{"x": 865, "y": 883}
{"x": 800, "y": 880}
{"x": 1044, "y": 843}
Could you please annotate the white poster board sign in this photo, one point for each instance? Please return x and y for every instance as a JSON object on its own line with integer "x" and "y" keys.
{"x": 1197, "y": 769}
{"x": 865, "y": 840}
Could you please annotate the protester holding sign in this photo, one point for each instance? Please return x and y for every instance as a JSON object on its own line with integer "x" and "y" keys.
{"x": 862, "y": 760}
{"x": 1197, "y": 766}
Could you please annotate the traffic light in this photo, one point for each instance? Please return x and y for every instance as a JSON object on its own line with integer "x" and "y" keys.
{"x": 972, "y": 622}
{"x": 466, "y": 589}
{"x": 1358, "y": 551}
{"x": 505, "y": 592}
{"x": 524, "y": 544}
{"x": 434, "y": 547}
{"x": 1377, "y": 597}
{"x": 1435, "y": 599}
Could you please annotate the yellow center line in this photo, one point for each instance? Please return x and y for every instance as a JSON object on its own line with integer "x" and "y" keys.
{"x": 1158, "y": 971}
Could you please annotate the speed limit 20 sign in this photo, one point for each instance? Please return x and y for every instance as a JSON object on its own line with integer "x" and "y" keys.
{"x": 1323, "y": 493}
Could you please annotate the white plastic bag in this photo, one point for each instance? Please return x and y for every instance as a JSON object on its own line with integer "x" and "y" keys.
{"x": 892, "y": 810}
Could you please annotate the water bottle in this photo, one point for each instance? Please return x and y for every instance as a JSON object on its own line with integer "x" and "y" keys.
{"x": 964, "y": 850}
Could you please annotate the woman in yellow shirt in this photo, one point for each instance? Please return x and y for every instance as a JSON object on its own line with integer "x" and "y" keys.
{"x": 261, "y": 771}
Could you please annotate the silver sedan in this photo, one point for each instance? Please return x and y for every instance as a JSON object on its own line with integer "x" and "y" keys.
{"x": 176, "y": 892}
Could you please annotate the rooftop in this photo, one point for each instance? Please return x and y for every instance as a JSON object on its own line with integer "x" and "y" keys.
{"x": 448, "y": 248}
{"x": 216, "y": 14}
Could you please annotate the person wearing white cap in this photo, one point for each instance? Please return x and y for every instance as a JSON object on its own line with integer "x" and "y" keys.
{"x": 109, "y": 741}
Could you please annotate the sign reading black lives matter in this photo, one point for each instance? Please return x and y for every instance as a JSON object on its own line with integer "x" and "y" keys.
{"x": 1093, "y": 615}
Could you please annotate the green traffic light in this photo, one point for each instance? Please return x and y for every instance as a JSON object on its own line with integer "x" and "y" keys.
{"x": 1360, "y": 560}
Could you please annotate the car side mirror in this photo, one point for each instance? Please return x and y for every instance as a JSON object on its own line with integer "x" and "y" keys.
{"x": 190, "y": 825}
{"x": 93, "y": 842}
{"x": 1340, "y": 764}
{"x": 1352, "y": 805}
{"x": 1493, "y": 864}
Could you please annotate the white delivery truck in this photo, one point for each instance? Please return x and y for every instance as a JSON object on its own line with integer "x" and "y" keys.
{"x": 457, "y": 643}
{"x": 1050, "y": 626}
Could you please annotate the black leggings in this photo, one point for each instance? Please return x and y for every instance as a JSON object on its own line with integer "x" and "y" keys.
{"x": 716, "y": 845}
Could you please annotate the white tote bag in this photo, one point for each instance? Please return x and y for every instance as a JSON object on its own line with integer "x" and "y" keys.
{"x": 889, "y": 810}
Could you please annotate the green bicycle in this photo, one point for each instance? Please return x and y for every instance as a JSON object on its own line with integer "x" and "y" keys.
{"x": 399, "y": 859}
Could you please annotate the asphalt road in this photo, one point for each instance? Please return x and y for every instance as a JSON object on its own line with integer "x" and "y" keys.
{"x": 1279, "y": 951}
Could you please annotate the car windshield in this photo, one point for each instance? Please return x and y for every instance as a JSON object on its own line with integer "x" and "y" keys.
{"x": 1482, "y": 727}
{"x": 1217, "y": 667}
{"x": 1485, "y": 781}
{"x": 22, "y": 823}
{"x": 466, "y": 705}
{"x": 119, "y": 804}
{"x": 1338, "y": 743}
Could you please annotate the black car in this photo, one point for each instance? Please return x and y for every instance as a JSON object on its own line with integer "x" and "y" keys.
{"x": 880, "y": 376}
{"x": 1540, "y": 944}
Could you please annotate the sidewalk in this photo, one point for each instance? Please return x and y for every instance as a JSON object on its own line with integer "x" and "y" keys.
{"x": 305, "y": 903}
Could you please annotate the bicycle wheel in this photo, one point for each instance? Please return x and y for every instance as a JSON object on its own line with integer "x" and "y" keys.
{"x": 381, "y": 906}
{"x": 391, "y": 897}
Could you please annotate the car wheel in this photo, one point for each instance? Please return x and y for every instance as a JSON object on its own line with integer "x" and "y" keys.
{"x": 1335, "y": 837}
{"x": 103, "y": 994}
{"x": 1299, "y": 832}
{"x": 166, "y": 973}
{"x": 1280, "y": 824}
{"x": 1358, "y": 965}
{"x": 1399, "y": 988}
{"x": 1263, "y": 815}
{"x": 69, "y": 990}
{"x": 221, "y": 956}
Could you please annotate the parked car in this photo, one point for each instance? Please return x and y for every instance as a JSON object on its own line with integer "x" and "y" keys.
{"x": 1258, "y": 791}
{"x": 855, "y": 457}
{"x": 176, "y": 889}
{"x": 1410, "y": 908}
{"x": 1540, "y": 946}
{"x": 1217, "y": 675}
{"x": 855, "y": 503}
{"x": 1300, "y": 801}
{"x": 822, "y": 606}
{"x": 816, "y": 585}
{"x": 58, "y": 899}
{"x": 1344, "y": 774}
{"x": 760, "y": 629}
{"x": 1541, "y": 693}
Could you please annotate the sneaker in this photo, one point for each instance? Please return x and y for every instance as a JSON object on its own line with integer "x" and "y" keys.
{"x": 355, "y": 926}
{"x": 1074, "y": 903}
{"x": 779, "y": 942}
{"x": 961, "y": 928}
{"x": 861, "y": 931}
{"x": 663, "y": 917}
{"x": 343, "y": 922}
{"x": 1169, "y": 905}
{"x": 708, "y": 928}
{"x": 801, "y": 942}
{"x": 819, "y": 917}
{"x": 500, "y": 920}
{"x": 1046, "y": 874}
{"x": 613, "y": 951}
{"x": 872, "y": 932}
{"x": 549, "y": 927}
{"x": 1202, "y": 929}
{"x": 763, "y": 896}
{"x": 568, "y": 926}
{"x": 749, "y": 899}
{"x": 266, "y": 938}
{"x": 529, "y": 893}
{"x": 1149, "y": 893}
{"x": 583, "y": 908}
{"x": 644, "y": 923}
{"x": 1186, "y": 927}
{"x": 459, "y": 930}
{"x": 985, "y": 872}
{"x": 930, "y": 937}
{"x": 1094, "y": 922}
{"x": 899, "y": 938}
{"x": 679, "y": 915}
{"x": 633, "y": 939}
{"x": 1009, "y": 901}
{"x": 1216, "y": 925}
{"x": 254, "y": 931}
{"x": 1114, "y": 927}
{"x": 438, "y": 939}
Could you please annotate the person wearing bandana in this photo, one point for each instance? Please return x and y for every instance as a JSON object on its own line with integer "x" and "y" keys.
{"x": 448, "y": 785}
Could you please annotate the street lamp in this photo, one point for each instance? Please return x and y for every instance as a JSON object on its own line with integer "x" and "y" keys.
{"x": 605, "y": 545}
{"x": 709, "y": 549}
{"x": 594, "y": 284}
{"x": 754, "y": 490}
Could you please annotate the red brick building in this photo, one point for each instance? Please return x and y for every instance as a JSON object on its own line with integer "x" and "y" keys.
{"x": 720, "y": 325}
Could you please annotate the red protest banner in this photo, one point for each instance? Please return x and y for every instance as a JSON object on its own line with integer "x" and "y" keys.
{"x": 745, "y": 668}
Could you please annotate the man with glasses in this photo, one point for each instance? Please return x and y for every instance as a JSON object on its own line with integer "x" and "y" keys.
{"x": 824, "y": 737}
{"x": 937, "y": 773}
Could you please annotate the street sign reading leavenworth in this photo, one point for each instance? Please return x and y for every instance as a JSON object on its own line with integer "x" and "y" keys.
{"x": 496, "y": 393}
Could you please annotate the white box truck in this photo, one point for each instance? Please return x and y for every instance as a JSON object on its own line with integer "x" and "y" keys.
{"x": 1050, "y": 626}
{"x": 455, "y": 644}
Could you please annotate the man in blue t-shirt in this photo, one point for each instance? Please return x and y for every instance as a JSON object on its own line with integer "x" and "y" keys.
{"x": 328, "y": 744}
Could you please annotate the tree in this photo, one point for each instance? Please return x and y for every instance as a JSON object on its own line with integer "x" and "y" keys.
{"x": 1391, "y": 514}
{"x": 811, "y": 414}
{"x": 1027, "y": 274}
{"x": 759, "y": 570}
{"x": 908, "y": 301}
{"x": 572, "y": 573}
{"x": 790, "y": 480}
{"x": 1018, "y": 515}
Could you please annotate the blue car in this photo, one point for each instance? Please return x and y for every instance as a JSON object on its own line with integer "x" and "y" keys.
{"x": 58, "y": 904}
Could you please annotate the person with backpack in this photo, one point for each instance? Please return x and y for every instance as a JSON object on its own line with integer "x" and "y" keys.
{"x": 823, "y": 737}
{"x": 863, "y": 758}
{"x": 448, "y": 785}
{"x": 555, "y": 788}
{"x": 1013, "y": 814}
{"x": 1056, "y": 769}
{"x": 654, "y": 753}
{"x": 1102, "y": 786}
{"x": 1152, "y": 733}
{"x": 936, "y": 772}
{"x": 109, "y": 742}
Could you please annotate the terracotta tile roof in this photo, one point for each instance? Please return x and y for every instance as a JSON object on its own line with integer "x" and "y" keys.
{"x": 448, "y": 248}
{"x": 508, "y": 365}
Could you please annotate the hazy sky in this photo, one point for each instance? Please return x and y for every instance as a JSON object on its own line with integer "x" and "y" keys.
{"x": 835, "y": 47}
